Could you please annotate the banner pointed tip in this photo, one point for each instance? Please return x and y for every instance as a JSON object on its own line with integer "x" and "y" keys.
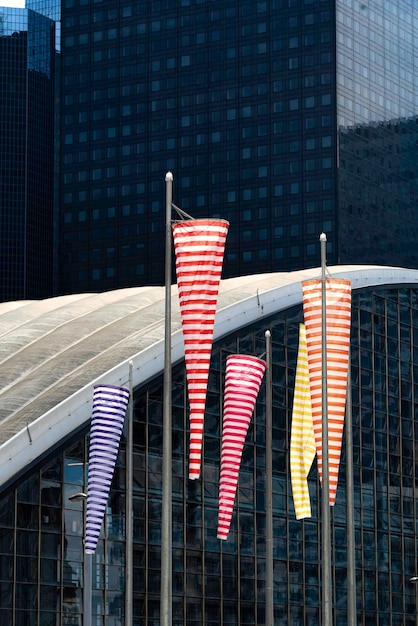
{"x": 301, "y": 516}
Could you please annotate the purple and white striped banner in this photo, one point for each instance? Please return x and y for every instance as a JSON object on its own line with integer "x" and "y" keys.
{"x": 108, "y": 415}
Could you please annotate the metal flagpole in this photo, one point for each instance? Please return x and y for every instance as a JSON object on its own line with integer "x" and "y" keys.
{"x": 87, "y": 588}
{"x": 129, "y": 505}
{"x": 88, "y": 580}
{"x": 269, "y": 488}
{"x": 351, "y": 551}
{"x": 166, "y": 517}
{"x": 88, "y": 558}
{"x": 326, "y": 525}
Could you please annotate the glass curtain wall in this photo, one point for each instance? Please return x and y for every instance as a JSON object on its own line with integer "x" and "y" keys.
{"x": 27, "y": 83}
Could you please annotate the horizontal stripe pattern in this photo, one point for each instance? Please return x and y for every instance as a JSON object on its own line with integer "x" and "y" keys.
{"x": 199, "y": 247}
{"x": 338, "y": 325}
{"x": 108, "y": 415}
{"x": 243, "y": 376}
{"x": 302, "y": 440}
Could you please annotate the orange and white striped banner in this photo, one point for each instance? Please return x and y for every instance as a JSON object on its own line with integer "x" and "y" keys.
{"x": 302, "y": 440}
{"x": 338, "y": 324}
{"x": 199, "y": 248}
{"x": 243, "y": 376}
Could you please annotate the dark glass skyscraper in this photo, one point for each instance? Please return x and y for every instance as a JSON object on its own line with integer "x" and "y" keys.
{"x": 286, "y": 117}
{"x": 26, "y": 154}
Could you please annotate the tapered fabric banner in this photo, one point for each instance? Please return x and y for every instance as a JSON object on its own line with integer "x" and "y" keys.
{"x": 338, "y": 324}
{"x": 199, "y": 247}
{"x": 243, "y": 376}
{"x": 302, "y": 440}
{"x": 108, "y": 415}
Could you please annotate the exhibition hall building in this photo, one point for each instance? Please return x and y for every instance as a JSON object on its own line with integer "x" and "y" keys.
{"x": 54, "y": 352}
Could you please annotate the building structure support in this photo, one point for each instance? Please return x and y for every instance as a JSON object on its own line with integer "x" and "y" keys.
{"x": 167, "y": 478}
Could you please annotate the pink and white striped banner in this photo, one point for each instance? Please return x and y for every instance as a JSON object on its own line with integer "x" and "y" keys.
{"x": 199, "y": 248}
{"x": 243, "y": 376}
{"x": 108, "y": 415}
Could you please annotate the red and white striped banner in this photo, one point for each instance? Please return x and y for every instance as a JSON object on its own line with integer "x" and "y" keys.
{"x": 338, "y": 324}
{"x": 243, "y": 376}
{"x": 199, "y": 248}
{"x": 108, "y": 415}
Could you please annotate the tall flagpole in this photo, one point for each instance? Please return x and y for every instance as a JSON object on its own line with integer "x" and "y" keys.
{"x": 166, "y": 518}
{"x": 326, "y": 524}
{"x": 129, "y": 505}
{"x": 88, "y": 558}
{"x": 351, "y": 549}
{"x": 269, "y": 488}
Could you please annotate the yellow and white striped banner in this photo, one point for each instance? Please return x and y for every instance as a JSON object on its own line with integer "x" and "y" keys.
{"x": 302, "y": 441}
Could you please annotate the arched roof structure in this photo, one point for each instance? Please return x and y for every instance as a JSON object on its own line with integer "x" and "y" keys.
{"x": 53, "y": 351}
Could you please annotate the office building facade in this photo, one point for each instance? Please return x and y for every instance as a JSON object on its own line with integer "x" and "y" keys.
{"x": 286, "y": 117}
{"x": 27, "y": 101}
{"x": 44, "y": 443}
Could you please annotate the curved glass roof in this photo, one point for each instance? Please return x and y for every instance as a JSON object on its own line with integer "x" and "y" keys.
{"x": 52, "y": 352}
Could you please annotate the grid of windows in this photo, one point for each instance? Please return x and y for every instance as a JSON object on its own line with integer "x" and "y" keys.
{"x": 26, "y": 154}
{"x": 52, "y": 10}
{"x": 375, "y": 57}
{"x": 380, "y": 217}
{"x": 220, "y": 96}
{"x": 217, "y": 582}
{"x": 250, "y": 104}
{"x": 377, "y": 117}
